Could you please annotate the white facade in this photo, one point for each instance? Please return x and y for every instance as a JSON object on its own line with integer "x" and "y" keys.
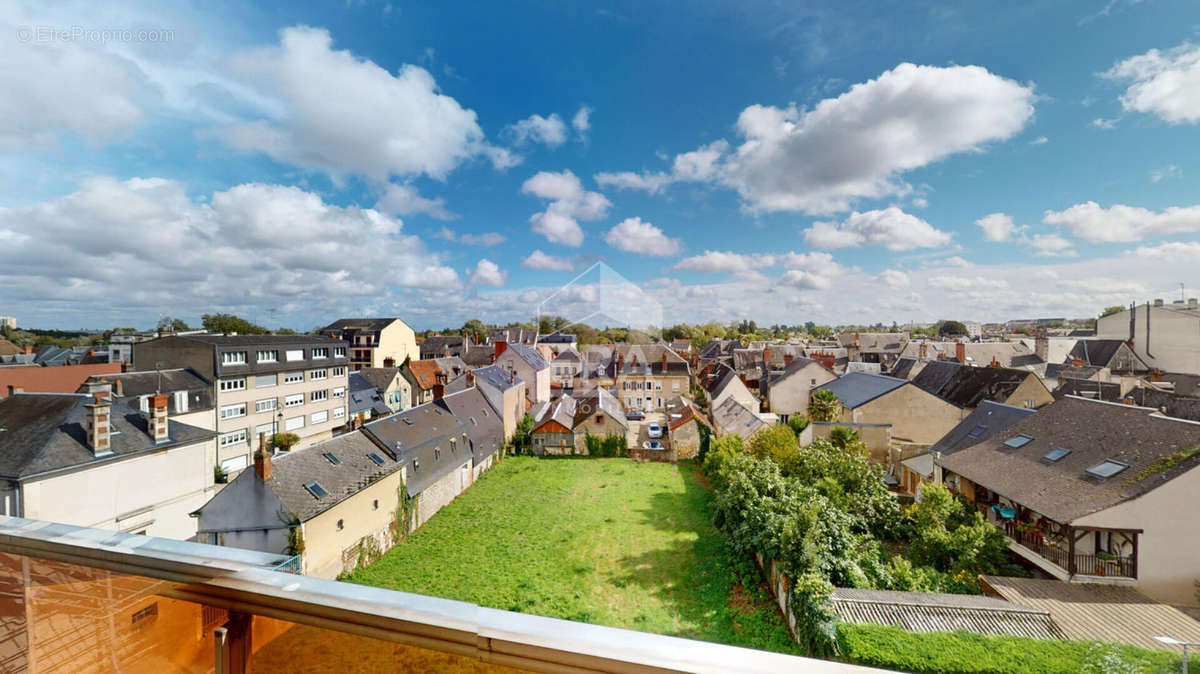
{"x": 1165, "y": 335}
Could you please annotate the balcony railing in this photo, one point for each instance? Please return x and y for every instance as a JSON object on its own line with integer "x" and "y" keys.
{"x": 1060, "y": 554}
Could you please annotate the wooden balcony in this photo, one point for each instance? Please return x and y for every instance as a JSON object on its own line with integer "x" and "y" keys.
{"x": 1060, "y": 546}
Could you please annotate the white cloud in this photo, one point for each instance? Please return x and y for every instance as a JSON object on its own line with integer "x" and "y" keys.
{"x": 635, "y": 236}
{"x": 1050, "y": 245}
{"x": 1175, "y": 251}
{"x": 169, "y": 251}
{"x": 401, "y": 199}
{"x": 700, "y": 165}
{"x": 1165, "y": 84}
{"x": 858, "y": 144}
{"x": 582, "y": 121}
{"x": 894, "y": 278}
{"x": 714, "y": 261}
{"x": 1040, "y": 140}
{"x": 798, "y": 278}
{"x": 569, "y": 203}
{"x": 550, "y": 130}
{"x": 1106, "y": 124}
{"x": 955, "y": 261}
{"x": 807, "y": 270}
{"x": 890, "y": 227}
{"x": 481, "y": 239}
{"x": 487, "y": 273}
{"x": 997, "y": 226}
{"x": 967, "y": 283}
{"x": 539, "y": 260}
{"x": 815, "y": 262}
{"x": 335, "y": 112}
{"x": 1168, "y": 171}
{"x": 1120, "y": 223}
{"x": 652, "y": 182}
{"x": 920, "y": 202}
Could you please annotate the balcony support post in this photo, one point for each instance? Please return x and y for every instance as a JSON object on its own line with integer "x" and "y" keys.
{"x": 1071, "y": 552}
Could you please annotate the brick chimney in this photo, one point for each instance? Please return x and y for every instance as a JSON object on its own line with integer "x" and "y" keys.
{"x": 664, "y": 362}
{"x": 157, "y": 418}
{"x": 960, "y": 352}
{"x": 501, "y": 347}
{"x": 119, "y": 388}
{"x": 262, "y": 459}
{"x": 14, "y": 390}
{"x": 767, "y": 357}
{"x": 923, "y": 350}
{"x": 28, "y": 349}
{"x": 98, "y": 423}
{"x": 787, "y": 359}
{"x": 1041, "y": 346}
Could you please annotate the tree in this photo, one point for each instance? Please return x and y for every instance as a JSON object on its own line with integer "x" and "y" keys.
{"x": 227, "y": 323}
{"x": 952, "y": 329}
{"x": 524, "y": 433}
{"x": 823, "y": 405}
{"x": 777, "y": 443}
{"x": 476, "y": 330}
{"x": 284, "y": 441}
{"x": 168, "y": 324}
{"x": 1109, "y": 311}
{"x": 844, "y": 438}
{"x": 798, "y": 422}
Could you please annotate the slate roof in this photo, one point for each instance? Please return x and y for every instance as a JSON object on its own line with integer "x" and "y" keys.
{"x": 874, "y": 342}
{"x": 557, "y": 338}
{"x": 530, "y": 355}
{"x": 734, "y": 418}
{"x": 968, "y": 386}
{"x": 364, "y": 396}
{"x": 567, "y": 356}
{"x": 936, "y": 375}
{"x": 649, "y": 359}
{"x": 561, "y": 411}
{"x": 260, "y": 340}
{"x": 1185, "y": 384}
{"x": 139, "y": 384}
{"x": 360, "y": 324}
{"x": 903, "y": 368}
{"x": 497, "y": 377}
{"x": 855, "y": 389}
{"x": 290, "y": 471}
{"x": 1093, "y": 432}
{"x": 45, "y": 432}
{"x": 719, "y": 349}
{"x": 1097, "y": 352}
{"x": 1007, "y": 354}
{"x": 478, "y": 356}
{"x": 599, "y": 399}
{"x": 937, "y": 612}
{"x": 983, "y": 423}
{"x": 1061, "y": 370}
{"x": 1089, "y": 388}
{"x": 1175, "y": 405}
{"x": 452, "y": 366}
{"x": 379, "y": 377}
{"x": 413, "y": 435}
{"x": 750, "y": 363}
{"x": 713, "y": 378}
{"x": 512, "y": 336}
{"x": 485, "y": 428}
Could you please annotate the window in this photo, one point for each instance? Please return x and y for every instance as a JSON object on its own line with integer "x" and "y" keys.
{"x": 977, "y": 431}
{"x": 1055, "y": 454}
{"x": 316, "y": 490}
{"x": 293, "y": 377}
{"x": 599, "y": 418}
{"x": 339, "y": 392}
{"x": 320, "y": 353}
{"x": 233, "y": 358}
{"x": 331, "y": 458}
{"x": 181, "y": 402}
{"x": 318, "y": 374}
{"x": 233, "y": 465}
{"x": 376, "y": 458}
{"x": 267, "y": 405}
{"x": 295, "y": 354}
{"x": 675, "y": 386}
{"x": 1018, "y": 441}
{"x": 319, "y": 417}
{"x": 269, "y": 429}
{"x": 339, "y": 352}
{"x": 375, "y": 504}
{"x": 234, "y": 438}
{"x": 341, "y": 524}
{"x": 319, "y": 396}
{"x": 265, "y": 380}
{"x": 294, "y": 400}
{"x": 339, "y": 371}
{"x": 238, "y": 384}
{"x": 294, "y": 423}
{"x": 339, "y": 412}
{"x": 437, "y": 453}
{"x": 1106, "y": 469}
{"x": 233, "y": 411}
{"x": 268, "y": 356}
{"x": 416, "y": 465}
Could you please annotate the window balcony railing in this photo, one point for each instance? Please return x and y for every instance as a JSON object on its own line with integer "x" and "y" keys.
{"x": 82, "y": 599}
{"x": 1057, "y": 549}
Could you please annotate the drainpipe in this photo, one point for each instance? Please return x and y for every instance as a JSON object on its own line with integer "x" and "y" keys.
{"x": 1148, "y": 354}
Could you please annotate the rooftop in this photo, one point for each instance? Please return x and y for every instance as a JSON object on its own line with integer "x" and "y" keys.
{"x": 855, "y": 389}
{"x": 935, "y": 612}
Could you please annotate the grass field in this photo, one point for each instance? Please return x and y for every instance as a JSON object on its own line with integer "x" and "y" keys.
{"x": 605, "y": 541}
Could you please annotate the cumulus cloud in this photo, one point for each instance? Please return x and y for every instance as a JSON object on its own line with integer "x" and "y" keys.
{"x": 799, "y": 278}
{"x": 1165, "y": 84}
{"x": 714, "y": 261}
{"x": 481, "y": 239}
{"x": 807, "y": 270}
{"x": 539, "y": 260}
{"x": 145, "y": 242}
{"x": 582, "y": 121}
{"x": 894, "y": 278}
{"x": 335, "y": 112}
{"x": 551, "y": 131}
{"x": 635, "y": 236}
{"x": 858, "y": 144}
{"x": 700, "y": 165}
{"x": 401, "y": 199}
{"x": 487, "y": 273}
{"x": 890, "y": 227}
{"x": 569, "y": 203}
{"x": 997, "y": 226}
{"x": 1175, "y": 251}
{"x": 1121, "y": 223}
{"x": 1050, "y": 245}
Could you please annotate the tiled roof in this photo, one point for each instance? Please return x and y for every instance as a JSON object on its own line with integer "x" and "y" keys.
{"x": 599, "y": 400}
{"x": 530, "y": 355}
{"x": 55, "y": 379}
{"x": 936, "y": 612}
{"x": 983, "y": 423}
{"x": 681, "y": 411}
{"x": 1092, "y": 432}
{"x": 478, "y": 356}
{"x": 968, "y": 386}
{"x": 858, "y": 388}
{"x": 424, "y": 373}
{"x": 497, "y": 377}
{"x": 734, "y": 418}
{"x": 7, "y": 348}
{"x": 561, "y": 411}
{"x": 485, "y": 428}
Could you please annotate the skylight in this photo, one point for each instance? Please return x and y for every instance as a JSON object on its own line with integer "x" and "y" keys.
{"x": 408, "y": 421}
{"x": 1106, "y": 469}
{"x": 977, "y": 431}
{"x": 331, "y": 458}
{"x": 376, "y": 458}
{"x": 1018, "y": 441}
{"x": 316, "y": 489}
{"x": 1055, "y": 454}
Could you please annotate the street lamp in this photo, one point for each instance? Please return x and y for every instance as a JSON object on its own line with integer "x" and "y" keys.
{"x": 1170, "y": 641}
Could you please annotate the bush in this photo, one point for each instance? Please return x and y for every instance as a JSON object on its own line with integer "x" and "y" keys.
{"x": 797, "y": 422}
{"x": 816, "y": 623}
{"x": 777, "y": 443}
{"x": 970, "y": 653}
{"x": 605, "y": 446}
{"x": 720, "y": 453}
{"x": 284, "y": 441}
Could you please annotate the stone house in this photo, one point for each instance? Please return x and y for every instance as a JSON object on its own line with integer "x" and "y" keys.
{"x": 527, "y": 365}
{"x": 598, "y": 413}
{"x": 916, "y": 416}
{"x": 553, "y": 430}
{"x": 684, "y": 430}
{"x": 788, "y": 391}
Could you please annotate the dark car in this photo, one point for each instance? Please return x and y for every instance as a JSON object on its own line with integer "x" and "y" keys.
{"x": 635, "y": 415}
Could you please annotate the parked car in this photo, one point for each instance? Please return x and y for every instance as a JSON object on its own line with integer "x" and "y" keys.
{"x": 635, "y": 415}
{"x": 652, "y": 444}
{"x": 654, "y": 430}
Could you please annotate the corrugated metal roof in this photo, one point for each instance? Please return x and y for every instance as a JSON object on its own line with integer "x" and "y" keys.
{"x": 932, "y": 612}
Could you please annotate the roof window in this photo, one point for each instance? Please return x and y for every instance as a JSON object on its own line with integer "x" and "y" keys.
{"x": 1019, "y": 440}
{"x": 316, "y": 489}
{"x": 376, "y": 458}
{"x": 1056, "y": 454}
{"x": 1106, "y": 469}
{"x": 331, "y": 458}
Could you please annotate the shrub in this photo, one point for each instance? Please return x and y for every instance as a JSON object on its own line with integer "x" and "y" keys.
{"x": 605, "y": 446}
{"x": 284, "y": 441}
{"x": 777, "y": 443}
{"x": 816, "y": 623}
{"x": 797, "y": 422}
{"x": 720, "y": 453}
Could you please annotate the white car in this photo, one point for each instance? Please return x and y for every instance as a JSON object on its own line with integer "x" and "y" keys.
{"x": 652, "y": 444}
{"x": 654, "y": 430}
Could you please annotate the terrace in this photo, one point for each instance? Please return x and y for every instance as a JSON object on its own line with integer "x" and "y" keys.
{"x": 1064, "y": 551}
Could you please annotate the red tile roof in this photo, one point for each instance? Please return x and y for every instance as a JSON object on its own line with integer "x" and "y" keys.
{"x": 56, "y": 379}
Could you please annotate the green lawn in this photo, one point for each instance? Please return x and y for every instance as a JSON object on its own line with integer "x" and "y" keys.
{"x": 606, "y": 541}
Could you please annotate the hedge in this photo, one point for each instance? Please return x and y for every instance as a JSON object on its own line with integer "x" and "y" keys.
{"x": 969, "y": 653}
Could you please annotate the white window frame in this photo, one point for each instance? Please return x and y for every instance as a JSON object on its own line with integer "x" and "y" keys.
{"x": 268, "y": 428}
{"x": 290, "y": 377}
{"x": 234, "y": 464}
{"x": 339, "y": 352}
{"x": 320, "y": 353}
{"x": 233, "y": 438}
{"x": 267, "y": 356}
{"x": 266, "y": 405}
{"x": 295, "y": 423}
{"x": 233, "y": 357}
{"x": 274, "y": 380}
{"x": 233, "y": 411}
{"x": 339, "y": 371}
{"x": 294, "y": 354}
{"x": 339, "y": 392}
{"x": 227, "y": 385}
{"x": 294, "y": 400}
{"x": 318, "y": 375}
{"x": 318, "y": 396}
{"x": 319, "y": 417}
{"x": 339, "y": 412}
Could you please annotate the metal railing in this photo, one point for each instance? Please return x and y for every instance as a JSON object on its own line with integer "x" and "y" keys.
{"x": 1059, "y": 554}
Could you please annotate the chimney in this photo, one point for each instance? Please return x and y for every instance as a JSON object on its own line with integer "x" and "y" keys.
{"x": 119, "y": 388}
{"x": 620, "y": 362}
{"x": 262, "y": 459}
{"x": 787, "y": 359}
{"x": 923, "y": 350}
{"x": 28, "y": 349}
{"x": 664, "y": 361}
{"x": 158, "y": 425}
{"x": 767, "y": 357}
{"x": 99, "y": 413}
{"x": 1193, "y": 303}
{"x": 14, "y": 390}
{"x": 1076, "y": 362}
{"x": 960, "y": 352}
{"x": 1041, "y": 346}
{"x": 1158, "y": 303}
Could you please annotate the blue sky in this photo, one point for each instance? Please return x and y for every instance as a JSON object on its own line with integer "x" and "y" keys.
{"x": 837, "y": 162}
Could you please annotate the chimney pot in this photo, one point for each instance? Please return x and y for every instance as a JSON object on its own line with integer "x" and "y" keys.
{"x": 119, "y": 388}
{"x": 28, "y": 349}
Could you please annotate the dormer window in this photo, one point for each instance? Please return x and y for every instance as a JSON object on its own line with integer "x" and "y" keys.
{"x": 1018, "y": 441}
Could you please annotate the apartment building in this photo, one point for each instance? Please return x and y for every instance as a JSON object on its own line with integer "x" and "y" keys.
{"x": 261, "y": 384}
{"x": 375, "y": 342}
